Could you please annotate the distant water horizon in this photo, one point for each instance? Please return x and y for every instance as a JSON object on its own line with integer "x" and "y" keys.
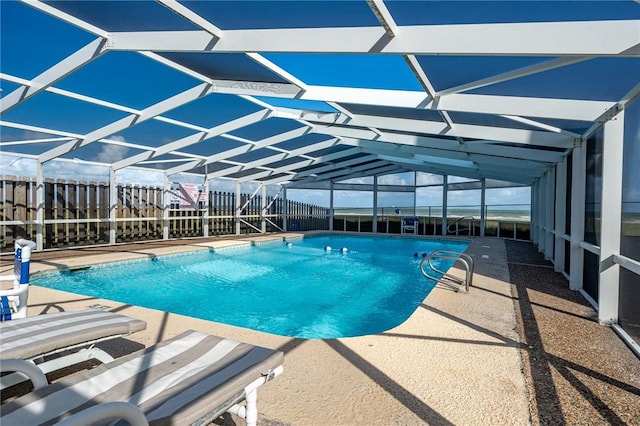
{"x": 512, "y": 213}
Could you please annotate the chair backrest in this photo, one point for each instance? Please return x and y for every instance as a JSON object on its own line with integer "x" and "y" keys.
{"x": 13, "y": 303}
{"x": 22, "y": 260}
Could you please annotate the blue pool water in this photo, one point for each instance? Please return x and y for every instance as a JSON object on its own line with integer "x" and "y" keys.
{"x": 297, "y": 289}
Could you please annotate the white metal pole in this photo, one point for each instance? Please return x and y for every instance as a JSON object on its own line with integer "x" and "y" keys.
{"x": 263, "y": 208}
{"x": 444, "y": 204}
{"x": 238, "y": 206}
{"x": 113, "y": 205}
{"x": 612, "y": 159}
{"x": 40, "y": 205}
{"x": 561, "y": 208}
{"x": 166, "y": 205}
{"x": 534, "y": 210}
{"x": 205, "y": 190}
{"x": 331, "y": 211}
{"x": 549, "y": 214}
{"x": 542, "y": 202}
{"x": 285, "y": 209}
{"x": 415, "y": 179}
{"x": 578, "y": 170}
{"x": 483, "y": 215}
{"x": 375, "y": 204}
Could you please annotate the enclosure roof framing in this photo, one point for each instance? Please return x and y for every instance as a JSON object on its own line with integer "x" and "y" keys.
{"x": 300, "y": 93}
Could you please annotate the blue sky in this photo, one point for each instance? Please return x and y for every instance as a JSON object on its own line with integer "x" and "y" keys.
{"x": 137, "y": 82}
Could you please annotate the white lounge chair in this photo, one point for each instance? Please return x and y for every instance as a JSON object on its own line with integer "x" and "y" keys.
{"x": 192, "y": 378}
{"x": 36, "y": 338}
{"x": 13, "y": 302}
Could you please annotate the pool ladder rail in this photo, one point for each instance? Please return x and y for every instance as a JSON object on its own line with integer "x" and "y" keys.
{"x": 454, "y": 228}
{"x": 451, "y": 281}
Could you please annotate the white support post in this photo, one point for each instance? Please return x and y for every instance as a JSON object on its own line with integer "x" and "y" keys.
{"x": 561, "y": 203}
{"x": 113, "y": 205}
{"x": 534, "y": 210}
{"x": 40, "y": 205}
{"x": 542, "y": 184}
{"x": 263, "y": 208}
{"x": 205, "y": 218}
{"x": 166, "y": 205}
{"x": 375, "y": 204}
{"x": 415, "y": 199}
{"x": 578, "y": 170}
{"x": 549, "y": 215}
{"x": 444, "y": 203}
{"x": 331, "y": 212}
{"x": 610, "y": 219}
{"x": 238, "y": 206}
{"x": 285, "y": 209}
{"x": 483, "y": 207}
{"x": 542, "y": 202}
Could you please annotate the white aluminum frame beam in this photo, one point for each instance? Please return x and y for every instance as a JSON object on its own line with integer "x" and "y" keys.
{"x": 518, "y": 73}
{"x": 57, "y": 72}
{"x": 100, "y": 102}
{"x": 510, "y": 39}
{"x": 291, "y": 168}
{"x": 443, "y": 169}
{"x": 323, "y": 123}
{"x": 163, "y": 106}
{"x": 272, "y": 140}
{"x": 399, "y": 140}
{"x": 567, "y": 109}
{"x": 195, "y": 138}
{"x": 389, "y": 148}
{"x": 272, "y": 159}
{"x": 378, "y": 169}
{"x": 328, "y": 167}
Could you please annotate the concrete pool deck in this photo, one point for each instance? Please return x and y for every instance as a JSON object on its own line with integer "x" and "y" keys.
{"x": 459, "y": 359}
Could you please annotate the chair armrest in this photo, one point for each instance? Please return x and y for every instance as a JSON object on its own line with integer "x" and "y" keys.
{"x": 106, "y": 411}
{"x": 32, "y": 372}
{"x": 15, "y": 291}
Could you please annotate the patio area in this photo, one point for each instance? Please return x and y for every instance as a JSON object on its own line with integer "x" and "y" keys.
{"x": 520, "y": 348}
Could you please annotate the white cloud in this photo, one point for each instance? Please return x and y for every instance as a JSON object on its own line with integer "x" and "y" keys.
{"x": 140, "y": 177}
{"x": 361, "y": 180}
{"x": 112, "y": 153}
{"x": 508, "y": 196}
{"x": 78, "y": 171}
{"x": 17, "y": 166}
{"x": 428, "y": 179}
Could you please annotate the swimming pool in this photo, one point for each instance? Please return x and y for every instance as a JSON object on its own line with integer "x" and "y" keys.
{"x": 295, "y": 288}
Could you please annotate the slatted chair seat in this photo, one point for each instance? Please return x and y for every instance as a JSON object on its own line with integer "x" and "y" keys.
{"x": 38, "y": 337}
{"x": 190, "y": 379}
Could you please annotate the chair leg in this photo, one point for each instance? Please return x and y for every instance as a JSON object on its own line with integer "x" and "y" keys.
{"x": 252, "y": 407}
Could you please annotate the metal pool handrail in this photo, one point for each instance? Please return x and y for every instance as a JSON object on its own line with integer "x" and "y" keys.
{"x": 464, "y": 258}
{"x": 471, "y": 226}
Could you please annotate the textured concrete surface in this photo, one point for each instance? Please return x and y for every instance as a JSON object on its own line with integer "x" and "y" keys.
{"x": 457, "y": 360}
{"x": 578, "y": 371}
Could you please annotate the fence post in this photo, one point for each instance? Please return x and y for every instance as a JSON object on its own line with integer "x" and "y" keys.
{"x": 285, "y": 209}
{"x": 205, "y": 212}
{"x": 20, "y": 206}
{"x": 40, "y": 200}
{"x": 238, "y": 206}
{"x": 263, "y": 208}
{"x": 113, "y": 205}
{"x": 166, "y": 203}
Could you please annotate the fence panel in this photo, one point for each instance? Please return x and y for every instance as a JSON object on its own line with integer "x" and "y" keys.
{"x": 77, "y": 213}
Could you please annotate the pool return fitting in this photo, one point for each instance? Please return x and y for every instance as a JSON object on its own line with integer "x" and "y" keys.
{"x": 451, "y": 281}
